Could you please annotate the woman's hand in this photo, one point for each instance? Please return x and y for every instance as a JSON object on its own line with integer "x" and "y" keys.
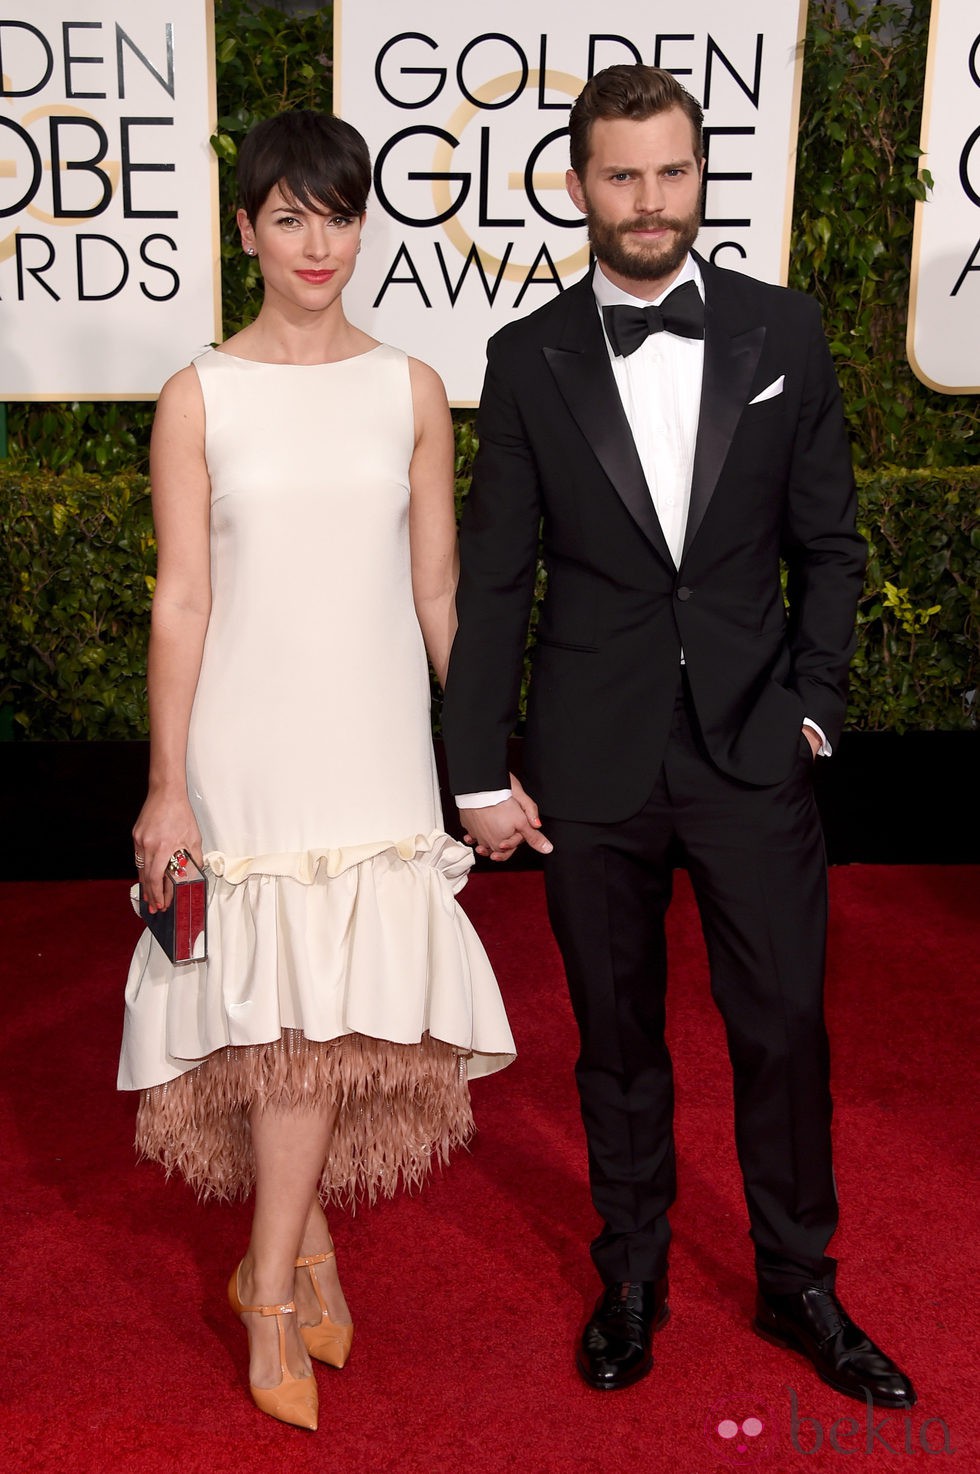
{"x": 496, "y": 831}
{"x": 166, "y": 823}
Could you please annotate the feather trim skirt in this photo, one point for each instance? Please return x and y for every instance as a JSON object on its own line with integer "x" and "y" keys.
{"x": 400, "y": 1108}
{"x": 366, "y": 974}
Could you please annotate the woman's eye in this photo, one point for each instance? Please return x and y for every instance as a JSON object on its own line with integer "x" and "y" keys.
{"x": 340, "y": 221}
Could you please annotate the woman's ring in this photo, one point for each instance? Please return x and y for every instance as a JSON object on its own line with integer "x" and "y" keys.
{"x": 138, "y": 860}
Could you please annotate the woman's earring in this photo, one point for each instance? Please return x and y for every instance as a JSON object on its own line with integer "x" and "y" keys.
{"x": 249, "y": 250}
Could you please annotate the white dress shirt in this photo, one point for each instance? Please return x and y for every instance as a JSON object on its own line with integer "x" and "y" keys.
{"x": 660, "y": 387}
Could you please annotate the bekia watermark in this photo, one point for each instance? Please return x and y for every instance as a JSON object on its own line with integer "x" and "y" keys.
{"x": 893, "y": 1432}
{"x": 741, "y": 1429}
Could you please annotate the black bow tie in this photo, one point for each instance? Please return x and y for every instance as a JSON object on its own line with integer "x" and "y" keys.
{"x": 682, "y": 313}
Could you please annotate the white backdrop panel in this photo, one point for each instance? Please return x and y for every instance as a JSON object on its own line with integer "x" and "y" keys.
{"x": 944, "y": 318}
{"x": 108, "y": 195}
{"x": 465, "y": 111}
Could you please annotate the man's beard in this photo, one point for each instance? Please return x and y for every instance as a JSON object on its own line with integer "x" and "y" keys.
{"x": 637, "y": 260}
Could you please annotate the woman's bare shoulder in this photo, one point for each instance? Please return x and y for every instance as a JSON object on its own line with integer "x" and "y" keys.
{"x": 181, "y": 395}
{"x": 428, "y": 390}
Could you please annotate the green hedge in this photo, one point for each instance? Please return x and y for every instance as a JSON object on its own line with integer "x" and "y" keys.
{"x": 76, "y": 583}
{"x": 75, "y": 588}
{"x": 918, "y": 657}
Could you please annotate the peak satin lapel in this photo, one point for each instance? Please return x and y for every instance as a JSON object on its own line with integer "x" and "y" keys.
{"x": 729, "y": 365}
{"x": 585, "y": 381}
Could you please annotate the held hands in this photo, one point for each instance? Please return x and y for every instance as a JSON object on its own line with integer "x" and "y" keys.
{"x": 166, "y": 823}
{"x": 498, "y": 830}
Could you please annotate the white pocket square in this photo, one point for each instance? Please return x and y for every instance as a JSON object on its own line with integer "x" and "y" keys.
{"x": 776, "y": 387}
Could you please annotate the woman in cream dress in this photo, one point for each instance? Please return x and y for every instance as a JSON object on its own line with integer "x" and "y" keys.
{"x": 302, "y": 488}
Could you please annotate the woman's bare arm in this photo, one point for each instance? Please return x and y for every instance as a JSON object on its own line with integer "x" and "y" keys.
{"x": 432, "y": 518}
{"x": 181, "y": 609}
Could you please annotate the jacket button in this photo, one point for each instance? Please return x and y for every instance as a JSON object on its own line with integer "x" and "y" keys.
{"x": 684, "y": 593}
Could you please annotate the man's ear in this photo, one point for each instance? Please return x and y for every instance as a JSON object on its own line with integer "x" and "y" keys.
{"x": 575, "y": 192}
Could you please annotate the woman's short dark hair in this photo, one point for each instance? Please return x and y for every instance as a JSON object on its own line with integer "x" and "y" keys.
{"x": 627, "y": 91}
{"x": 319, "y": 160}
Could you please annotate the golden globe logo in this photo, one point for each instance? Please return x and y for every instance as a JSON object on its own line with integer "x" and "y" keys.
{"x": 412, "y": 73}
{"x": 55, "y": 167}
{"x": 451, "y": 189}
{"x": 469, "y": 224}
{"x": 109, "y": 252}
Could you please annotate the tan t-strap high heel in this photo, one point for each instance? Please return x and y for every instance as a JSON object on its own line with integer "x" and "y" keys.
{"x": 327, "y": 1341}
{"x": 295, "y": 1399}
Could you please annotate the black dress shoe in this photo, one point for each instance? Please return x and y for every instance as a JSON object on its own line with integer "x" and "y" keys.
{"x": 615, "y": 1348}
{"x": 814, "y": 1322}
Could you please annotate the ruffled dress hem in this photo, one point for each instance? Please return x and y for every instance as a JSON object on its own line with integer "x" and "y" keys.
{"x": 344, "y": 977}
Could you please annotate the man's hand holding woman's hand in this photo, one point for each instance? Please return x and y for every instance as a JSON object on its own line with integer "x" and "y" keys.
{"x": 166, "y": 824}
{"x": 498, "y": 830}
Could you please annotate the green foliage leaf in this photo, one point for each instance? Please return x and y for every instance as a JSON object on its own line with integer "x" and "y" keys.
{"x": 225, "y": 147}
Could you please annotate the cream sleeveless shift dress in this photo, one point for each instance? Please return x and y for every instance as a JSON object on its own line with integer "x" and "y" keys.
{"x": 340, "y": 966}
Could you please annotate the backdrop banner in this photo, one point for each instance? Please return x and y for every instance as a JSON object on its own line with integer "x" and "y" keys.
{"x": 466, "y": 116}
{"x": 944, "y": 313}
{"x": 109, "y": 276}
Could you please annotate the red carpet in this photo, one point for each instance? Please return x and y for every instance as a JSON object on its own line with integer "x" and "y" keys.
{"x": 119, "y": 1354}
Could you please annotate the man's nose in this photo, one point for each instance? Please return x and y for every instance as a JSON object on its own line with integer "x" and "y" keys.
{"x": 649, "y": 197}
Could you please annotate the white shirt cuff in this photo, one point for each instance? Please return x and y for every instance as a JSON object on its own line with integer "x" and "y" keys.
{"x": 482, "y": 800}
{"x": 825, "y": 749}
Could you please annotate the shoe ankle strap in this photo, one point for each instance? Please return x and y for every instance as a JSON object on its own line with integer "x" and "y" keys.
{"x": 308, "y": 1259}
{"x": 287, "y": 1307}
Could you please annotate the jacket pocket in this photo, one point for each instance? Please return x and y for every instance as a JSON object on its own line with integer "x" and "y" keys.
{"x": 546, "y": 640}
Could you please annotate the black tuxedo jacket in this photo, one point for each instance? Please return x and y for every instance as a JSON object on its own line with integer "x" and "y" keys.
{"x": 557, "y": 467}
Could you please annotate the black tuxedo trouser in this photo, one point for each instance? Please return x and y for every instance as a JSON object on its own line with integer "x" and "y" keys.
{"x": 756, "y": 862}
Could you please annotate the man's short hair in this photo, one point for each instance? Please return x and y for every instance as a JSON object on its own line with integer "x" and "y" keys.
{"x": 628, "y": 91}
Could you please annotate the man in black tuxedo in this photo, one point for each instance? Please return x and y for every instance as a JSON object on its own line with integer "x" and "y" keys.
{"x": 668, "y": 432}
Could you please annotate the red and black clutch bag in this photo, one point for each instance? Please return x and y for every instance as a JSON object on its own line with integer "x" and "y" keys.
{"x": 182, "y": 928}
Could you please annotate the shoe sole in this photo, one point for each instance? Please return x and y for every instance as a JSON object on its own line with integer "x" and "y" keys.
{"x": 636, "y": 1375}
{"x": 785, "y": 1343}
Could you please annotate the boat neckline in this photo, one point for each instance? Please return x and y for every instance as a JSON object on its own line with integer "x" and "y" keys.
{"x": 327, "y": 363}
